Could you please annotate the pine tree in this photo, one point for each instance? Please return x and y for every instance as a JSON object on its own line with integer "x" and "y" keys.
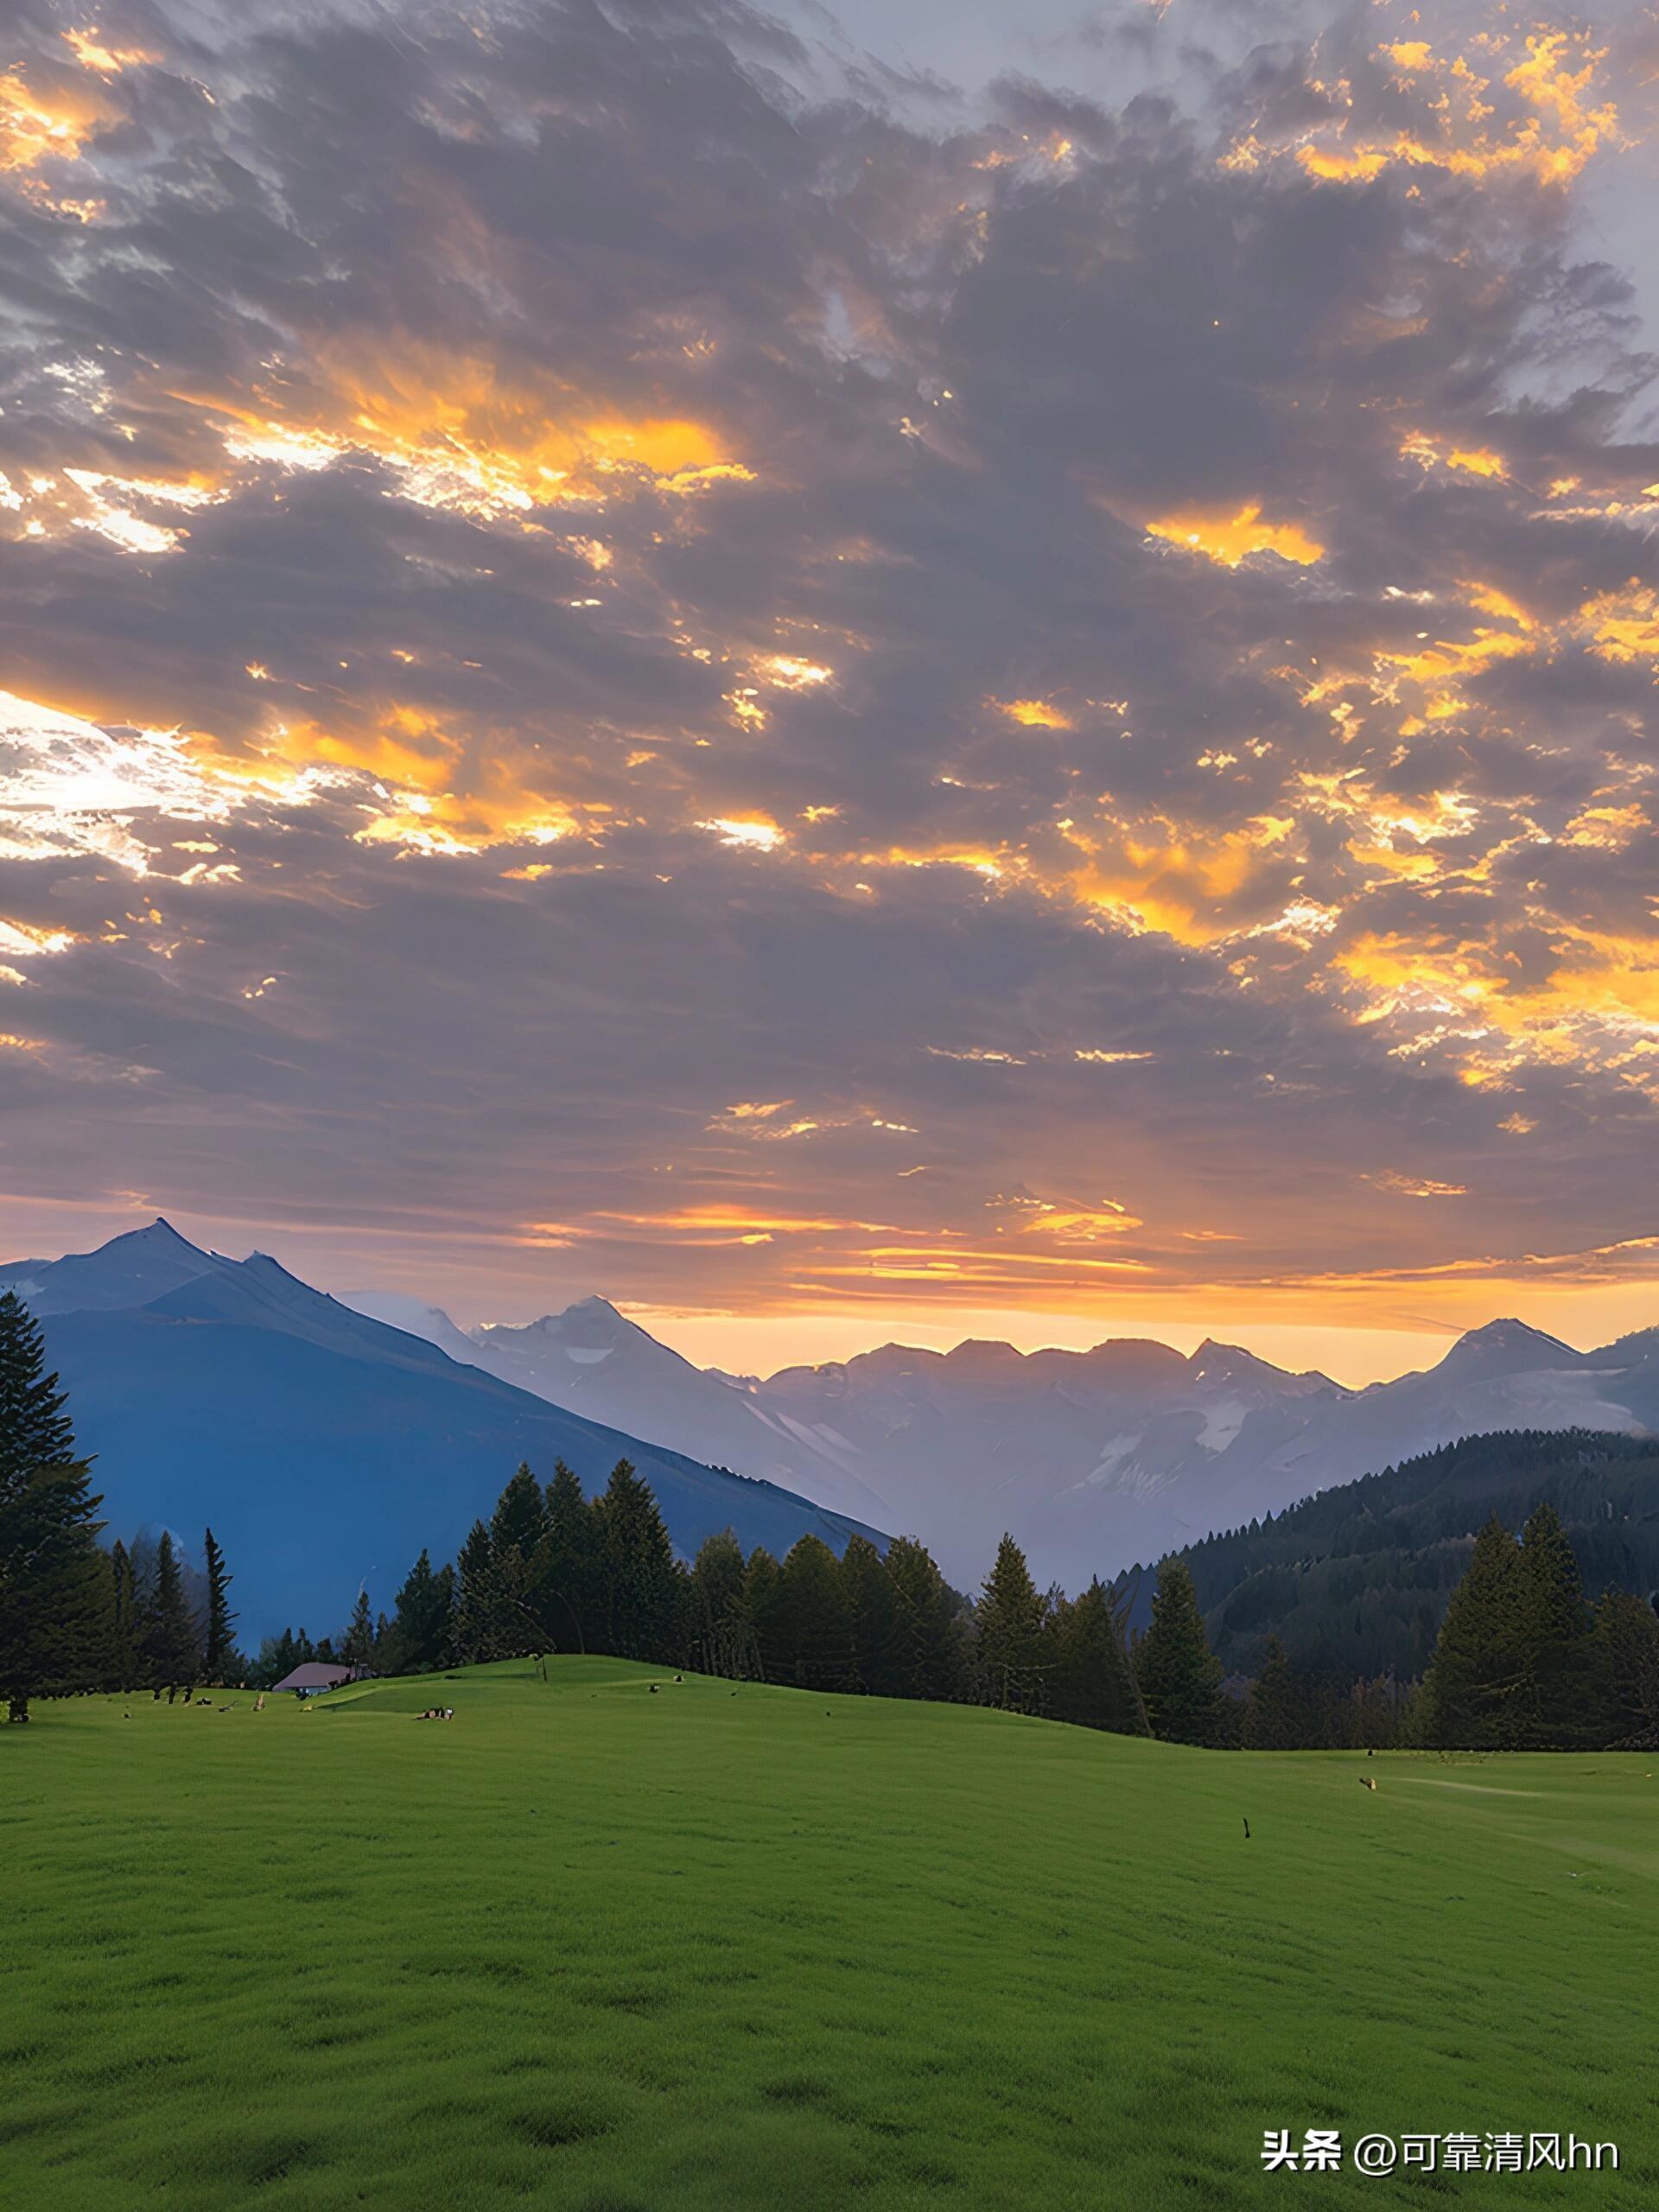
{"x": 1559, "y": 1700}
{"x": 519, "y": 1522}
{"x": 564, "y": 1574}
{"x": 357, "y": 1644}
{"x": 874, "y": 1620}
{"x": 418, "y": 1639}
{"x": 642, "y": 1584}
{"x": 763, "y": 1601}
{"x": 54, "y": 1586}
{"x": 34, "y": 1426}
{"x": 722, "y": 1635}
{"x": 1627, "y": 1653}
{"x": 1093, "y": 1684}
{"x": 932, "y": 1659}
{"x": 517, "y": 1540}
{"x": 218, "y": 1646}
{"x": 123, "y": 1618}
{"x": 168, "y": 1647}
{"x": 1013, "y": 1620}
{"x": 817, "y": 1633}
{"x": 481, "y": 1632}
{"x": 1482, "y": 1661}
{"x": 1277, "y": 1717}
{"x": 1180, "y": 1676}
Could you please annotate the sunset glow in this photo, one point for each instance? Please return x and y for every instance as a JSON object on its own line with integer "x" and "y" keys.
{"x": 807, "y": 710}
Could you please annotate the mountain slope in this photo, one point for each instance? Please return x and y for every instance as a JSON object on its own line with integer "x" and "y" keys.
{"x": 323, "y": 1447}
{"x": 1355, "y": 1582}
{"x": 593, "y": 1360}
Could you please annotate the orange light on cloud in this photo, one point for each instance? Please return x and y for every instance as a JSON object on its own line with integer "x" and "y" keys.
{"x": 1556, "y": 123}
{"x": 1624, "y": 626}
{"x": 1229, "y": 536}
{"x": 88, "y": 48}
{"x": 36, "y": 125}
{"x": 1033, "y": 714}
{"x": 1473, "y": 461}
{"x": 466, "y": 433}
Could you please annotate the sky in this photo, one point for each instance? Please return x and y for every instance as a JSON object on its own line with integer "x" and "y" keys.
{"x": 913, "y": 673}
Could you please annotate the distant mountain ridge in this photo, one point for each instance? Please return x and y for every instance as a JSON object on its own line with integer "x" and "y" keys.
{"x": 1093, "y": 1458}
{"x": 323, "y": 1446}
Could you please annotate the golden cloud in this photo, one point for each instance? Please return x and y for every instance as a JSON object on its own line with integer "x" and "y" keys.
{"x": 1551, "y": 124}
{"x": 1229, "y": 536}
{"x": 464, "y": 432}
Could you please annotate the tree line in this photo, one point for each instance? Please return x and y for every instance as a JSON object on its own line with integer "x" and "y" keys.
{"x": 73, "y": 1616}
{"x": 554, "y": 1570}
{"x": 1521, "y": 1660}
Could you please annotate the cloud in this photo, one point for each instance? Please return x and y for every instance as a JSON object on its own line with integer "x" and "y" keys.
{"x": 559, "y": 569}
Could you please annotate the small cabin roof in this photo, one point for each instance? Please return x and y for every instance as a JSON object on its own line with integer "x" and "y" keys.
{"x": 318, "y": 1674}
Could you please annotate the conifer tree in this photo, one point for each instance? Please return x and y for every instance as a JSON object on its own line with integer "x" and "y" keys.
{"x": 418, "y": 1638}
{"x": 1558, "y": 1701}
{"x": 480, "y": 1630}
{"x": 1472, "y": 1690}
{"x": 218, "y": 1645}
{"x": 932, "y": 1655}
{"x": 642, "y": 1584}
{"x": 1627, "y": 1654}
{"x": 763, "y": 1601}
{"x": 1093, "y": 1684}
{"x": 817, "y": 1629}
{"x": 55, "y": 1588}
{"x": 357, "y": 1645}
{"x": 722, "y": 1635}
{"x": 170, "y": 1652}
{"x": 518, "y": 1535}
{"x": 876, "y": 1629}
{"x": 1012, "y": 1618}
{"x": 1180, "y": 1676}
{"x": 564, "y": 1575}
{"x": 1277, "y": 1717}
{"x": 519, "y": 1521}
{"x": 124, "y": 1617}
{"x": 34, "y": 1426}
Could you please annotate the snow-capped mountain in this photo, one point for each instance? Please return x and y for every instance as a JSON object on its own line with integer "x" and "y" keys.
{"x": 591, "y": 1360}
{"x": 1093, "y": 1458}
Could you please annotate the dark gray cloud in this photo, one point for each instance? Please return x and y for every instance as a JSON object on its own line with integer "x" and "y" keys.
{"x": 786, "y": 687}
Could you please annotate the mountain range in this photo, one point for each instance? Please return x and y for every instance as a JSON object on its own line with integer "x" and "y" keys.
{"x": 327, "y": 1440}
{"x": 1094, "y": 1459}
{"x": 324, "y": 1448}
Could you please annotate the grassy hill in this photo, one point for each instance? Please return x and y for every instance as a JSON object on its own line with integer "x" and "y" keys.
{"x": 718, "y": 1950}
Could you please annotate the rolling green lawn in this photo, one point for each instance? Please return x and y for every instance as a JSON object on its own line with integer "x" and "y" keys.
{"x": 718, "y": 1950}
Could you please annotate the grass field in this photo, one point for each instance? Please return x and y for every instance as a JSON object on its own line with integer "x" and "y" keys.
{"x": 593, "y": 1947}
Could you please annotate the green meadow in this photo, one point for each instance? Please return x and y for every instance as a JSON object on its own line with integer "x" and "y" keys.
{"x": 594, "y": 1947}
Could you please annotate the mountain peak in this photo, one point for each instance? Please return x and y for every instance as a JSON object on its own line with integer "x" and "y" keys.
{"x": 586, "y": 1316}
{"x": 1213, "y": 1359}
{"x": 158, "y": 1235}
{"x": 131, "y": 1270}
{"x": 1507, "y": 1346}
